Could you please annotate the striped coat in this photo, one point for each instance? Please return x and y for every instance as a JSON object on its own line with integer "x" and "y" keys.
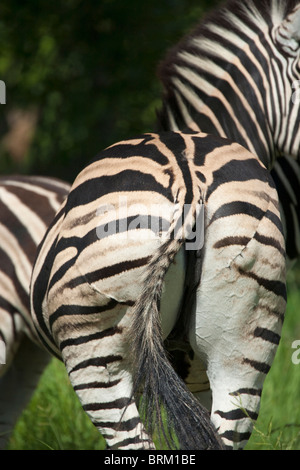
{"x": 115, "y": 276}
{"x": 237, "y": 75}
{"x": 27, "y": 206}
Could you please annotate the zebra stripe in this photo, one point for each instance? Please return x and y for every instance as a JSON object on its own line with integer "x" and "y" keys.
{"x": 119, "y": 272}
{"x": 235, "y": 76}
{"x": 27, "y": 206}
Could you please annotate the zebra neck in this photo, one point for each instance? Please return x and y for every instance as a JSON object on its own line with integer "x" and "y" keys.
{"x": 221, "y": 80}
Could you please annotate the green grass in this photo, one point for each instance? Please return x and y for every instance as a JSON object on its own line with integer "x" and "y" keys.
{"x": 278, "y": 425}
{"x": 54, "y": 418}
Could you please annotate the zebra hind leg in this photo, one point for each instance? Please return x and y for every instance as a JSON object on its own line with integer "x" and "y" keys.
{"x": 101, "y": 375}
{"x": 18, "y": 383}
{"x": 238, "y": 319}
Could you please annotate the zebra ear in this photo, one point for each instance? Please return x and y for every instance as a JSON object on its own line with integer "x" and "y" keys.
{"x": 288, "y": 32}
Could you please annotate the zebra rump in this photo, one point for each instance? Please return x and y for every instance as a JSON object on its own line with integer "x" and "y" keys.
{"x": 108, "y": 288}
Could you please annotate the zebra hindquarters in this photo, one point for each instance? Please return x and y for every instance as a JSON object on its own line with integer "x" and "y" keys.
{"x": 27, "y": 206}
{"x": 90, "y": 328}
{"x": 240, "y": 301}
{"x": 89, "y": 312}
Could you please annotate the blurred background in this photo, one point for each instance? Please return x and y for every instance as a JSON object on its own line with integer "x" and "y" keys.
{"x": 81, "y": 75}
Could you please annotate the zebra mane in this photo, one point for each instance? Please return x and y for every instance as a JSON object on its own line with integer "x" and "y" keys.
{"x": 235, "y": 21}
{"x": 256, "y": 14}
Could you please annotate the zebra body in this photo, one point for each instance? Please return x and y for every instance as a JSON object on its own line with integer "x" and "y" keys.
{"x": 115, "y": 276}
{"x": 27, "y": 206}
{"x": 237, "y": 75}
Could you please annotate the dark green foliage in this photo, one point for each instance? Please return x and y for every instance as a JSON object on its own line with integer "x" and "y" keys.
{"x": 89, "y": 71}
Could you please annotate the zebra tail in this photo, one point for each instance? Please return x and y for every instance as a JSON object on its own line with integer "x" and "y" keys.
{"x": 155, "y": 376}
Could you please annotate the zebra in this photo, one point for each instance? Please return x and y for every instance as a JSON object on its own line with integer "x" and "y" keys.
{"x": 176, "y": 231}
{"x": 27, "y": 206}
{"x": 237, "y": 75}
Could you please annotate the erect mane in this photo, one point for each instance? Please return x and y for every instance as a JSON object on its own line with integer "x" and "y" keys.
{"x": 244, "y": 19}
{"x": 256, "y": 14}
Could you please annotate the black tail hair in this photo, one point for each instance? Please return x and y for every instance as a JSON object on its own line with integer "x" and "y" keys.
{"x": 154, "y": 374}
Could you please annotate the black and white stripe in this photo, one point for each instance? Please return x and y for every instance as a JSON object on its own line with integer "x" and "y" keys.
{"x": 27, "y": 206}
{"x": 116, "y": 275}
{"x": 237, "y": 75}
